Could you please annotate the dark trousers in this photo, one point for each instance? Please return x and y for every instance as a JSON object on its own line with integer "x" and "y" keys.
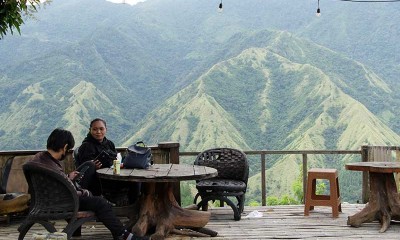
{"x": 90, "y": 180}
{"x": 119, "y": 192}
{"x": 103, "y": 212}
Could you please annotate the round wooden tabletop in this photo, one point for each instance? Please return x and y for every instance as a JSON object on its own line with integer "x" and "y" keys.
{"x": 377, "y": 167}
{"x": 160, "y": 173}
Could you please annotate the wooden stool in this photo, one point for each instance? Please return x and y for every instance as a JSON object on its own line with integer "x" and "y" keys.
{"x": 312, "y": 199}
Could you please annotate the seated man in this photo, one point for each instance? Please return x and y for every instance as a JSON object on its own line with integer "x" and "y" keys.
{"x": 58, "y": 144}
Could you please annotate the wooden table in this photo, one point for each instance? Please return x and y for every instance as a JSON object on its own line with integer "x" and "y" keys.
{"x": 384, "y": 202}
{"x": 158, "y": 206}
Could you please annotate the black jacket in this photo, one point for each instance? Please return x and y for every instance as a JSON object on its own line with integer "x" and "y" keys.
{"x": 91, "y": 148}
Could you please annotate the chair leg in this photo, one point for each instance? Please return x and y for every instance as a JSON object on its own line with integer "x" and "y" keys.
{"x": 73, "y": 226}
{"x": 196, "y": 197}
{"x": 236, "y": 211}
{"x": 78, "y": 232}
{"x": 203, "y": 204}
{"x": 25, "y": 226}
{"x": 241, "y": 200}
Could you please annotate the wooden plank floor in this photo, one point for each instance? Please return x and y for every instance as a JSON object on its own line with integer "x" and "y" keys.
{"x": 277, "y": 222}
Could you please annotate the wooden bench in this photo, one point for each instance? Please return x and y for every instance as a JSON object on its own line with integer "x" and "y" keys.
{"x": 13, "y": 194}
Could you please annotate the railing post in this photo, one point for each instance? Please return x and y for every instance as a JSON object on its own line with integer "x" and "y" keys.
{"x": 365, "y": 175}
{"x": 172, "y": 150}
{"x": 263, "y": 184}
{"x": 397, "y": 175}
{"x": 304, "y": 176}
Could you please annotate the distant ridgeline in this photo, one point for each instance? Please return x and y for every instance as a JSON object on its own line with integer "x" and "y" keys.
{"x": 252, "y": 77}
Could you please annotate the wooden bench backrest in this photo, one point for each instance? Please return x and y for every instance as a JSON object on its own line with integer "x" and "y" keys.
{"x": 12, "y": 179}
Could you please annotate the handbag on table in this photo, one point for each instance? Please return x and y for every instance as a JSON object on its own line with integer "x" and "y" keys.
{"x": 138, "y": 156}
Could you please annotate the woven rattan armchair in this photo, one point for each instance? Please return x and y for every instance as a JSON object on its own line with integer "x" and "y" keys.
{"x": 53, "y": 197}
{"x": 233, "y": 173}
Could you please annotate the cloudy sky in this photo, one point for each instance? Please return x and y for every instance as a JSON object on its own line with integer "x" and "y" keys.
{"x": 131, "y": 2}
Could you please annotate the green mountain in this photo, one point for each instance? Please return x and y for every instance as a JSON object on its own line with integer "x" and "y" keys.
{"x": 193, "y": 118}
{"x": 259, "y": 76}
{"x": 39, "y": 105}
{"x": 265, "y": 95}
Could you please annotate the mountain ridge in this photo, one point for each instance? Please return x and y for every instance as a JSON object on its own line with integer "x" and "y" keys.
{"x": 255, "y": 77}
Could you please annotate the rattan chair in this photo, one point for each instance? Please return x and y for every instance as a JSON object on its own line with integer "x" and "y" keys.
{"x": 231, "y": 182}
{"x": 53, "y": 197}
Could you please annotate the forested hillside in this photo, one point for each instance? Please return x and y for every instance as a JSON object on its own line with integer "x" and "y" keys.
{"x": 258, "y": 76}
{"x": 263, "y": 97}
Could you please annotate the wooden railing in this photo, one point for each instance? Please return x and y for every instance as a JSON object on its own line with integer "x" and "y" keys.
{"x": 164, "y": 152}
{"x": 303, "y": 153}
{"x": 168, "y": 152}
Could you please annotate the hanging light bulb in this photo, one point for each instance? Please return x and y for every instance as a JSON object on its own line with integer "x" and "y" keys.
{"x": 220, "y": 9}
{"x": 318, "y": 13}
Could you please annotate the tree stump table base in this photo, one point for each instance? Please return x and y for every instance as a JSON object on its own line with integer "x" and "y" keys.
{"x": 383, "y": 205}
{"x": 160, "y": 211}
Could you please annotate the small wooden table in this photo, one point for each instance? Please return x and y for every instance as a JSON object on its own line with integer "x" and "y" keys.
{"x": 384, "y": 202}
{"x": 158, "y": 206}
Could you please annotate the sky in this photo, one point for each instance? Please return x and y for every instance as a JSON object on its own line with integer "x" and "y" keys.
{"x": 130, "y": 2}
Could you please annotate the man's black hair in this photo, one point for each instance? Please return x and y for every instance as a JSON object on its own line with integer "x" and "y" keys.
{"x": 58, "y": 138}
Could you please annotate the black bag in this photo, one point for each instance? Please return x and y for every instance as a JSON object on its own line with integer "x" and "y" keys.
{"x": 138, "y": 156}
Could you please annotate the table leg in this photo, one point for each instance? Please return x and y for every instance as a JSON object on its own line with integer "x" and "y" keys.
{"x": 383, "y": 205}
{"x": 159, "y": 209}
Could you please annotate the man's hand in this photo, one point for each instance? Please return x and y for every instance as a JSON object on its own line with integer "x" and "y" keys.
{"x": 97, "y": 163}
{"x": 73, "y": 175}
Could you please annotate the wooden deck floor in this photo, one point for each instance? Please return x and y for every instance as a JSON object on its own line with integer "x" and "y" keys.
{"x": 277, "y": 222}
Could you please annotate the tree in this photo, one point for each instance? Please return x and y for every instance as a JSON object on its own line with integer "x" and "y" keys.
{"x": 12, "y": 13}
